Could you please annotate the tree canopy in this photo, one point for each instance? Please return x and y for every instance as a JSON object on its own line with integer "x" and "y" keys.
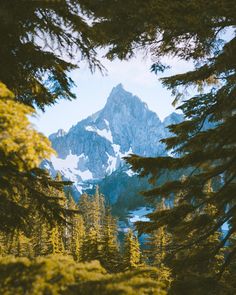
{"x": 38, "y": 41}
{"x": 185, "y": 29}
{"x": 24, "y": 188}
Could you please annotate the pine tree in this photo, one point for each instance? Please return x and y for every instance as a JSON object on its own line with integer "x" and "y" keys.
{"x": 93, "y": 210}
{"x": 132, "y": 253}
{"x": 97, "y": 210}
{"x": 110, "y": 256}
{"x": 74, "y": 231}
{"x": 48, "y": 236}
{"x": 40, "y": 236}
{"x": 56, "y": 230}
{"x": 40, "y": 46}
{"x": 100, "y": 241}
{"x": 197, "y": 267}
{"x": 158, "y": 244}
{"x": 84, "y": 205}
{"x": 91, "y": 250}
{"x": 4, "y": 243}
{"x": 56, "y": 243}
{"x": 213, "y": 267}
{"x": 16, "y": 243}
{"x": 229, "y": 276}
{"x": 24, "y": 188}
{"x": 77, "y": 237}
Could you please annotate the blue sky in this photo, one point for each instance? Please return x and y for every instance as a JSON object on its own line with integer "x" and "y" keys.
{"x": 92, "y": 91}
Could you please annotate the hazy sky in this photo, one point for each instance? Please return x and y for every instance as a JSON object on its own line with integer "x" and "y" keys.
{"x": 92, "y": 91}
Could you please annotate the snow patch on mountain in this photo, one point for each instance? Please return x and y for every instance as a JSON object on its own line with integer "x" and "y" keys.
{"x": 69, "y": 167}
{"x": 116, "y": 148}
{"x": 115, "y": 161}
{"x": 112, "y": 164}
{"x": 105, "y": 133}
{"x": 118, "y": 153}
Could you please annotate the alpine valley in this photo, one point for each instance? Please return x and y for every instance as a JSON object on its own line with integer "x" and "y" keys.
{"x": 91, "y": 152}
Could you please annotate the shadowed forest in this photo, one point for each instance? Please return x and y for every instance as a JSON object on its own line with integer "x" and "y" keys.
{"x": 51, "y": 243}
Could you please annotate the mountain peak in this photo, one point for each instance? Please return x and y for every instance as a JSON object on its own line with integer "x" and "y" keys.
{"x": 118, "y": 87}
{"x": 117, "y": 91}
{"x": 119, "y": 96}
{"x": 59, "y": 133}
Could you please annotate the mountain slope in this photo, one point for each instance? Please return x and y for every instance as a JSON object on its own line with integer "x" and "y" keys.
{"x": 94, "y": 147}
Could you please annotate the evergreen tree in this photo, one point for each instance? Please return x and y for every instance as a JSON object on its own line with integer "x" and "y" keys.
{"x": 16, "y": 243}
{"x": 91, "y": 250}
{"x": 84, "y": 207}
{"x": 40, "y": 235}
{"x": 100, "y": 241}
{"x": 77, "y": 237}
{"x": 48, "y": 235}
{"x": 132, "y": 253}
{"x": 157, "y": 247}
{"x": 24, "y": 188}
{"x": 197, "y": 267}
{"x": 55, "y": 233}
{"x": 4, "y": 243}
{"x": 229, "y": 276}
{"x": 40, "y": 45}
{"x": 56, "y": 242}
{"x": 157, "y": 242}
{"x": 93, "y": 210}
{"x": 110, "y": 256}
{"x": 74, "y": 231}
{"x": 97, "y": 210}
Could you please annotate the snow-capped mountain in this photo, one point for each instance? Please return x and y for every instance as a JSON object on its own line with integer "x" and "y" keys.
{"x": 93, "y": 148}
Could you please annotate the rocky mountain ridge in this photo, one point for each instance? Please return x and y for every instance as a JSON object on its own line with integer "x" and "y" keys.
{"x": 93, "y": 148}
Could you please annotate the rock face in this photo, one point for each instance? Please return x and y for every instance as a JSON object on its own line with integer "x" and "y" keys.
{"x": 93, "y": 149}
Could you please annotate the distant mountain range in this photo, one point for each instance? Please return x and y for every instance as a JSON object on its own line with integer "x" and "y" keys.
{"x": 92, "y": 150}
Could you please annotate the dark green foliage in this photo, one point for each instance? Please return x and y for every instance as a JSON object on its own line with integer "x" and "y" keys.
{"x": 61, "y": 275}
{"x": 158, "y": 248}
{"x": 200, "y": 263}
{"x": 39, "y": 40}
{"x": 161, "y": 27}
{"x": 24, "y": 193}
{"x": 229, "y": 274}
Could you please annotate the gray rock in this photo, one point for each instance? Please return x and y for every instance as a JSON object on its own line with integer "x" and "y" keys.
{"x": 93, "y": 148}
